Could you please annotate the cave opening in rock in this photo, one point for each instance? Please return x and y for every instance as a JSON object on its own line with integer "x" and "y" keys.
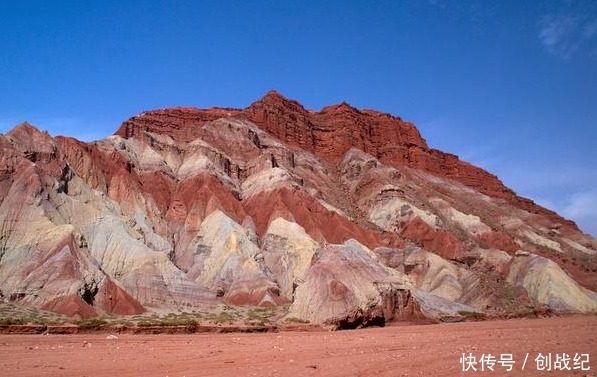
{"x": 361, "y": 322}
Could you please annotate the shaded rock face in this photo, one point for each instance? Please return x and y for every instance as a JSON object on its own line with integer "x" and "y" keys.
{"x": 345, "y": 214}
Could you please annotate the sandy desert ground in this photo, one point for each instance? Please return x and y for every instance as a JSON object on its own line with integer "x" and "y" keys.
{"x": 423, "y": 350}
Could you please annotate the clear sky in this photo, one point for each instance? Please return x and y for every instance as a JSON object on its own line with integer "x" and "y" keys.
{"x": 510, "y": 86}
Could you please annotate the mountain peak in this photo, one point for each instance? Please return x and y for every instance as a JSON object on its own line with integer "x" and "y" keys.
{"x": 28, "y": 134}
{"x": 342, "y": 107}
{"x": 25, "y": 127}
{"x": 274, "y": 94}
{"x": 274, "y": 100}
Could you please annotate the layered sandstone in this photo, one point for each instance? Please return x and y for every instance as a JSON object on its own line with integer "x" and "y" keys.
{"x": 346, "y": 214}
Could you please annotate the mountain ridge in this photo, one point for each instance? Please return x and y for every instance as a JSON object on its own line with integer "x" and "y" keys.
{"x": 273, "y": 204}
{"x": 448, "y": 166}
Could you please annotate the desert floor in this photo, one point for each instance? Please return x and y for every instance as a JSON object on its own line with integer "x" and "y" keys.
{"x": 425, "y": 350}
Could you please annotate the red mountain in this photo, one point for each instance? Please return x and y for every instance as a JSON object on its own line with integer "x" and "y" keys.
{"x": 346, "y": 214}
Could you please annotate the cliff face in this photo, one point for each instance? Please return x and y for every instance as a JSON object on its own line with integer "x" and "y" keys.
{"x": 273, "y": 204}
{"x": 331, "y": 132}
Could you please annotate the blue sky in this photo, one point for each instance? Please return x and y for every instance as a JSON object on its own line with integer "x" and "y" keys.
{"x": 510, "y": 86}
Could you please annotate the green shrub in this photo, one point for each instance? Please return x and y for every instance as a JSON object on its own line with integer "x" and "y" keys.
{"x": 168, "y": 321}
{"x": 149, "y": 323}
{"x": 12, "y": 321}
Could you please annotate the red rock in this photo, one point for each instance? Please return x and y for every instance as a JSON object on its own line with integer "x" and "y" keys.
{"x": 183, "y": 124}
{"x": 119, "y": 218}
{"x": 335, "y": 129}
{"x": 498, "y": 240}
{"x": 73, "y": 306}
{"x": 317, "y": 220}
{"x": 115, "y": 300}
{"x": 442, "y": 242}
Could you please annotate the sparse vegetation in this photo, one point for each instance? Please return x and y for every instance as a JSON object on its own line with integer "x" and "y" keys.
{"x": 149, "y": 323}
{"x": 529, "y": 311}
{"x": 223, "y": 317}
{"x": 477, "y": 316}
{"x": 260, "y": 313}
{"x": 188, "y": 322}
{"x": 123, "y": 322}
{"x": 12, "y": 321}
{"x": 260, "y": 316}
{"x": 91, "y": 324}
{"x": 11, "y": 314}
{"x": 170, "y": 320}
{"x": 295, "y": 320}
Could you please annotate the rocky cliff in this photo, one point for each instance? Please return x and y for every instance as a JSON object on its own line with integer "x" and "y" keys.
{"x": 346, "y": 215}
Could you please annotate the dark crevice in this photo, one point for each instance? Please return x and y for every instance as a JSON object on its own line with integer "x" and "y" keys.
{"x": 88, "y": 293}
{"x": 255, "y": 138}
{"x": 360, "y": 322}
{"x": 65, "y": 176}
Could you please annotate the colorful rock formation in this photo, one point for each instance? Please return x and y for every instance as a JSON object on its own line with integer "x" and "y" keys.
{"x": 345, "y": 214}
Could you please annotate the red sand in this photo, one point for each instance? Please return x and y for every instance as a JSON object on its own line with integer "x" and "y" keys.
{"x": 425, "y": 350}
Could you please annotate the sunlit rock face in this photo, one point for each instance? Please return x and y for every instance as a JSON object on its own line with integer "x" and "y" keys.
{"x": 345, "y": 215}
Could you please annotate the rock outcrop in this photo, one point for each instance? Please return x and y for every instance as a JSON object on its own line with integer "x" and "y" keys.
{"x": 549, "y": 285}
{"x": 345, "y": 214}
{"x": 347, "y": 287}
